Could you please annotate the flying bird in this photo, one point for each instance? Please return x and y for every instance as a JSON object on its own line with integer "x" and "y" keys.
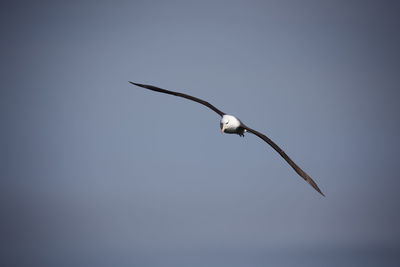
{"x": 231, "y": 125}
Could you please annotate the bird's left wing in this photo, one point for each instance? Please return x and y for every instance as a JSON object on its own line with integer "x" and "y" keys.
{"x": 299, "y": 171}
{"x": 198, "y": 100}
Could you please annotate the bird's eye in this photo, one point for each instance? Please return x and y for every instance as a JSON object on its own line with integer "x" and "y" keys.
{"x": 227, "y": 122}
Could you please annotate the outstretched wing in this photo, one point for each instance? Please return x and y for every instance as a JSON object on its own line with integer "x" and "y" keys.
{"x": 302, "y": 173}
{"x": 198, "y": 100}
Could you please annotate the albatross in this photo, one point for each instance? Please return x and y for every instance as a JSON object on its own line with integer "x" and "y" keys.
{"x": 231, "y": 125}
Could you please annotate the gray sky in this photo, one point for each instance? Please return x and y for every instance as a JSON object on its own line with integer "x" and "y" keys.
{"x": 96, "y": 172}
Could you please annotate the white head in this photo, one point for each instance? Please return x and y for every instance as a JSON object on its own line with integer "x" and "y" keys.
{"x": 229, "y": 124}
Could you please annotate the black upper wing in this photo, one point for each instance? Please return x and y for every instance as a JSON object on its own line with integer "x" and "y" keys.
{"x": 302, "y": 173}
{"x": 198, "y": 100}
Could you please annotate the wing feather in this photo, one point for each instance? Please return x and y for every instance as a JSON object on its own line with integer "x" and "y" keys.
{"x": 297, "y": 169}
{"x": 195, "y": 99}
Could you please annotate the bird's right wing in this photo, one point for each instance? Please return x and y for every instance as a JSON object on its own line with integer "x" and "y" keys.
{"x": 297, "y": 169}
{"x": 195, "y": 99}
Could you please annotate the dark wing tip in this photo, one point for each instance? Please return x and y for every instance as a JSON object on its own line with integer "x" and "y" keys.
{"x": 319, "y": 190}
{"x": 314, "y": 185}
{"x": 137, "y": 84}
{"x": 151, "y": 87}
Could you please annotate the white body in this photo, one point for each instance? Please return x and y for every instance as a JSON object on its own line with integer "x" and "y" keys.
{"x": 231, "y": 125}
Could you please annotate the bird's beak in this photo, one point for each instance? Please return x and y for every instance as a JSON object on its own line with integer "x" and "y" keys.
{"x": 223, "y": 129}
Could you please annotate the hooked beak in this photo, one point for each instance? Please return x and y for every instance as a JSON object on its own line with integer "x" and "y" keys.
{"x": 222, "y": 128}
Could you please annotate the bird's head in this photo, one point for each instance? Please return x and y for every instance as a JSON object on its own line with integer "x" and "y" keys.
{"x": 229, "y": 124}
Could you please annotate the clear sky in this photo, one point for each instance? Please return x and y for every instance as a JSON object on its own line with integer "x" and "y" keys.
{"x": 97, "y": 172}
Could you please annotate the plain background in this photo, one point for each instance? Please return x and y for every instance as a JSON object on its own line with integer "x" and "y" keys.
{"x": 97, "y": 172}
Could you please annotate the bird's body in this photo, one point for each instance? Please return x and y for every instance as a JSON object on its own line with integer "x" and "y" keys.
{"x": 231, "y": 125}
